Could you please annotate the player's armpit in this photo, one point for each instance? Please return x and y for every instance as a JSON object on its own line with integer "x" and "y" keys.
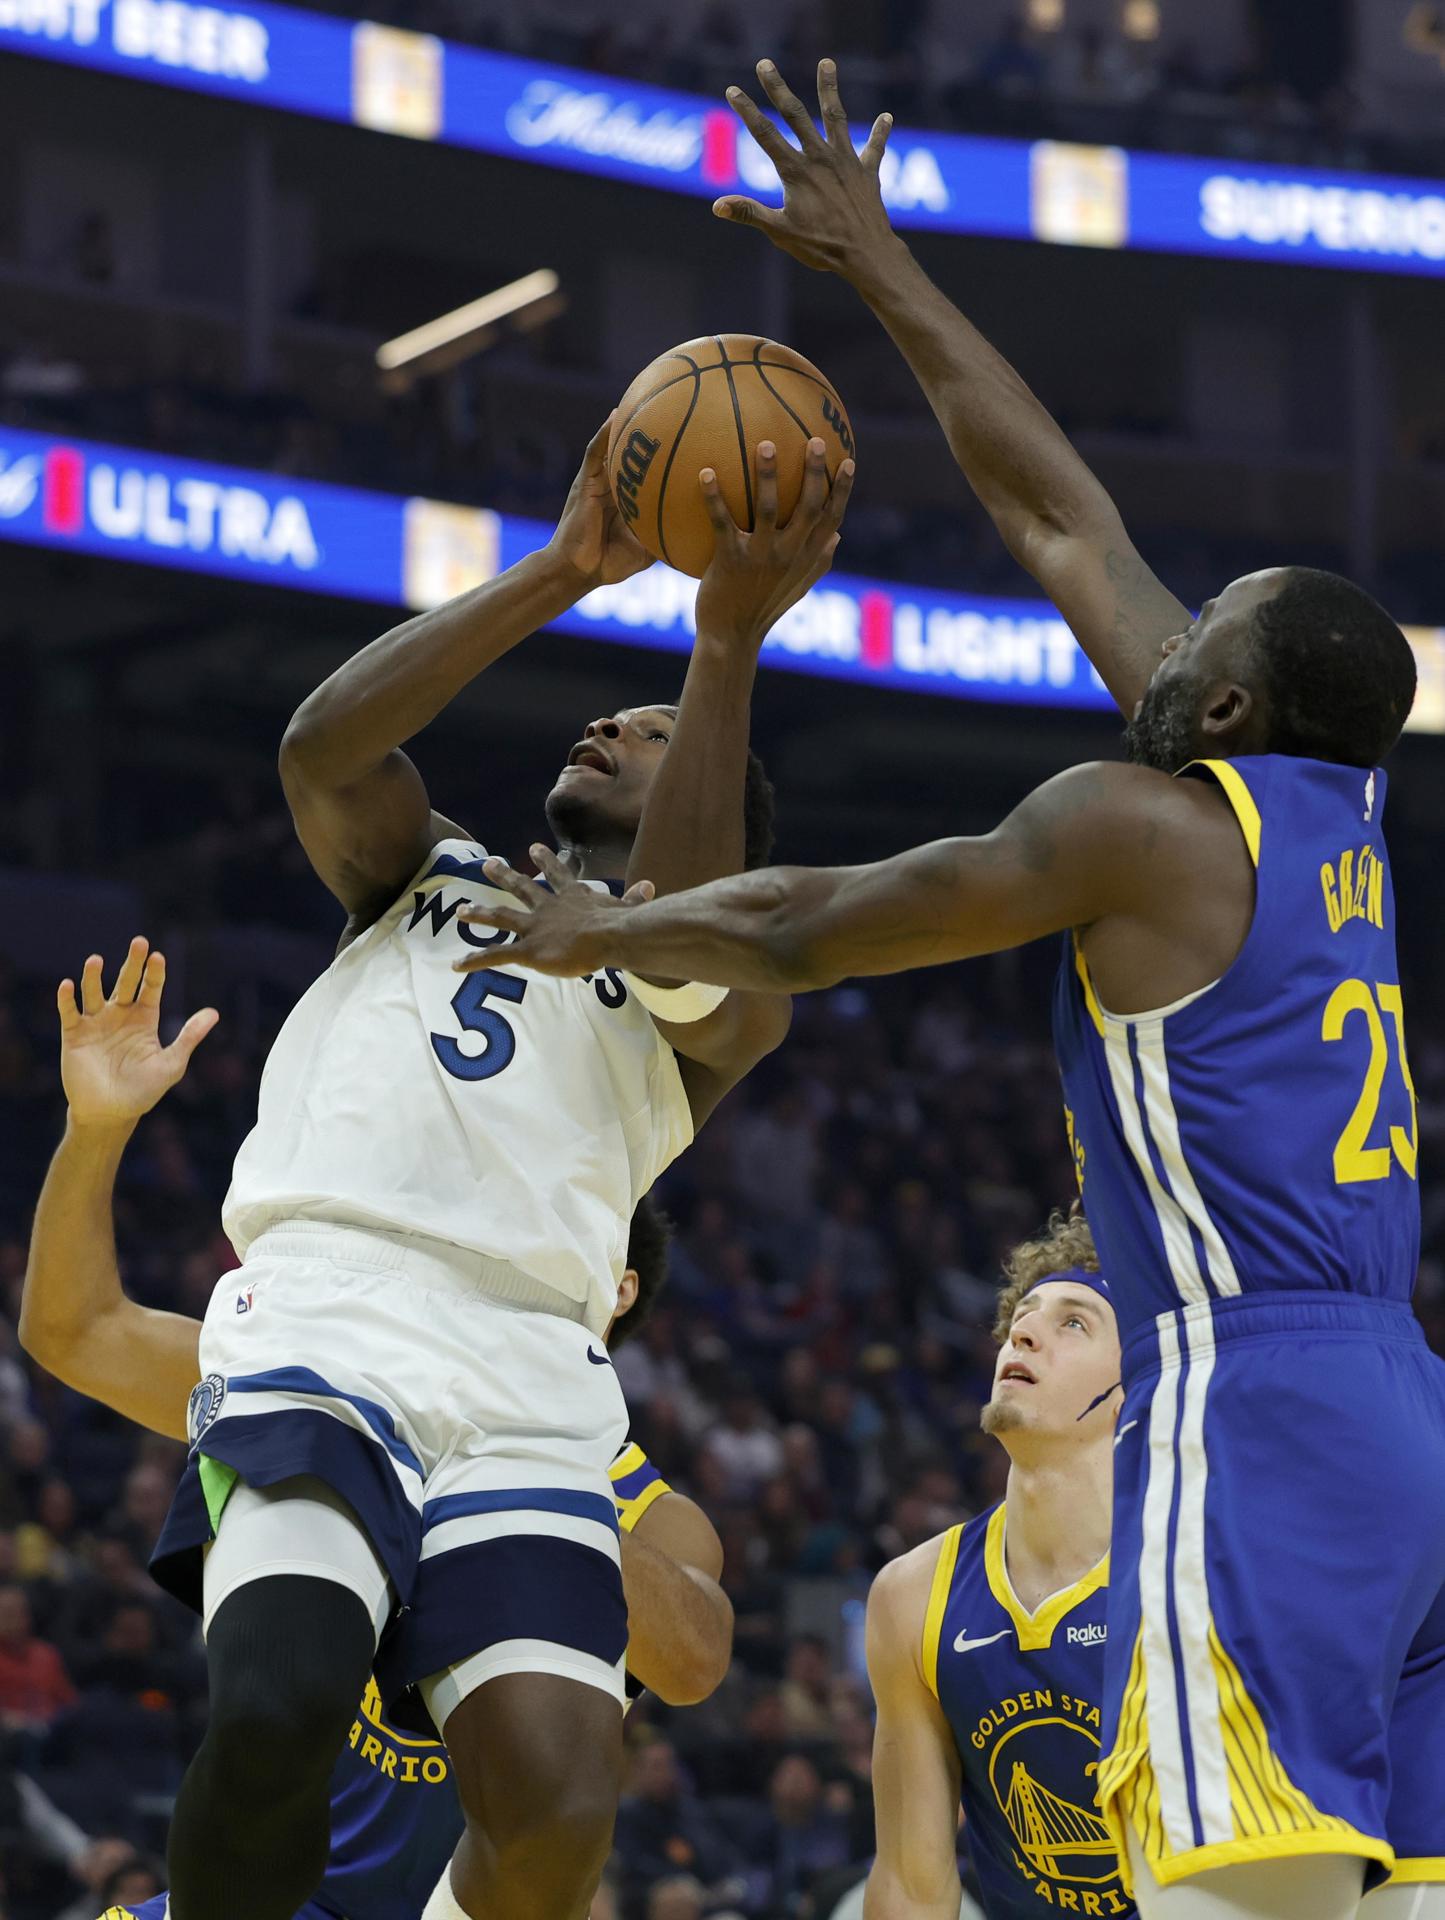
{"x": 716, "y": 1052}
{"x": 916, "y": 1770}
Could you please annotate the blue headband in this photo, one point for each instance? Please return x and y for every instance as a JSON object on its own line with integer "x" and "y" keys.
{"x": 1095, "y": 1282}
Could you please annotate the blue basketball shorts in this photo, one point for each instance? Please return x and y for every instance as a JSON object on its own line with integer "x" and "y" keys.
{"x": 471, "y": 1438}
{"x": 1275, "y": 1666}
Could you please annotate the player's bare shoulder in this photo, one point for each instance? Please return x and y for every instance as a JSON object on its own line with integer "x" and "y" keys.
{"x": 897, "y": 1610}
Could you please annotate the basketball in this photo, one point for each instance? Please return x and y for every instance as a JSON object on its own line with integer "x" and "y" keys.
{"x": 708, "y": 403}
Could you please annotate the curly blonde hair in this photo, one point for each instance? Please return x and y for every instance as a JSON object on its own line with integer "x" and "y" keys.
{"x": 1067, "y": 1241}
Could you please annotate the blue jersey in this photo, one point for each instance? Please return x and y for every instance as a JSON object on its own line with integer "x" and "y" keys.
{"x": 395, "y": 1816}
{"x": 1259, "y": 1136}
{"x": 1022, "y": 1692}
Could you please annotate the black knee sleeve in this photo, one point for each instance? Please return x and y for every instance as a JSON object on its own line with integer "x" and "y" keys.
{"x": 288, "y": 1659}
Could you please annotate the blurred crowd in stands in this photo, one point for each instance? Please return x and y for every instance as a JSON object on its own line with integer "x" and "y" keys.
{"x": 813, "y": 1375}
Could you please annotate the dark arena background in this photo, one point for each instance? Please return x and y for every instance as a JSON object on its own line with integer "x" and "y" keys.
{"x": 1210, "y": 233}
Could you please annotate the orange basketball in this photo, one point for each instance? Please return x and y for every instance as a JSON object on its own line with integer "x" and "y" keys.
{"x": 708, "y": 403}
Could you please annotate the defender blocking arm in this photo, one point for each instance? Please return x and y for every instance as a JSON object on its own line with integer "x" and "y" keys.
{"x": 360, "y": 807}
{"x": 75, "y": 1317}
{"x": 680, "y": 1620}
{"x": 916, "y": 1770}
{"x": 1086, "y": 844}
{"x": 1053, "y": 514}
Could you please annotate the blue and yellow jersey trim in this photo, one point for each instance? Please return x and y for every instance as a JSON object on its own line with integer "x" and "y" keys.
{"x": 636, "y": 1485}
{"x": 938, "y": 1593}
{"x": 1034, "y": 1630}
{"x": 1237, "y": 793}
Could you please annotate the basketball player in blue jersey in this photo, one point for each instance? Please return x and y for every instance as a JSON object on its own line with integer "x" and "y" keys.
{"x": 394, "y": 1814}
{"x": 1230, "y": 1033}
{"x": 986, "y": 1644}
{"x": 400, "y": 1442}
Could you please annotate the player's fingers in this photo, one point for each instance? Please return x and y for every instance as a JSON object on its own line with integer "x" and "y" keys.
{"x": 835, "y": 120}
{"x": 553, "y": 868}
{"x": 780, "y": 151}
{"x": 597, "y": 445}
{"x": 92, "y": 992}
{"x": 639, "y": 893}
{"x": 500, "y": 874}
{"x": 841, "y": 493}
{"x": 723, "y": 524}
{"x": 814, "y": 496}
{"x": 65, "y": 1006}
{"x": 789, "y": 106}
{"x": 765, "y": 489}
{"x": 873, "y": 146}
{"x": 749, "y": 213}
{"x": 131, "y": 968}
{"x": 190, "y": 1037}
{"x": 505, "y": 920}
{"x": 153, "y": 981}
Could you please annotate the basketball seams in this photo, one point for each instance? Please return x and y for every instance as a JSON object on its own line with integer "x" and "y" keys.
{"x": 727, "y": 367}
{"x": 693, "y": 370}
{"x": 797, "y": 419}
{"x": 697, "y": 373}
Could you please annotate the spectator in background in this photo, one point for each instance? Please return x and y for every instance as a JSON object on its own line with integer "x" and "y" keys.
{"x": 34, "y": 1686}
{"x": 664, "y": 1829}
{"x": 680, "y": 1897}
{"x": 798, "y": 1837}
{"x": 743, "y": 1447}
{"x": 806, "y": 1688}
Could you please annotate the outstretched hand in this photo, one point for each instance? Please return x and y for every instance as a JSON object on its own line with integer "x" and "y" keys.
{"x": 592, "y": 538}
{"x": 754, "y": 578}
{"x": 561, "y": 926}
{"x": 112, "y": 1063}
{"x": 832, "y": 217}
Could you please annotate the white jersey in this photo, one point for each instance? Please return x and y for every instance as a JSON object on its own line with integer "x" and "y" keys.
{"x": 512, "y": 1114}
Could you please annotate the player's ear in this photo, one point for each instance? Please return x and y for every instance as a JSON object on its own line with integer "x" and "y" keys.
{"x": 626, "y": 1292}
{"x": 1228, "y": 711}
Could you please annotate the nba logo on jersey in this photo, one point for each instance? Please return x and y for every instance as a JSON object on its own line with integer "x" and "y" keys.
{"x": 1370, "y": 796}
{"x": 246, "y": 1300}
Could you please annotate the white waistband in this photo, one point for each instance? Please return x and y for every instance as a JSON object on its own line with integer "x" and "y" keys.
{"x": 438, "y": 1265}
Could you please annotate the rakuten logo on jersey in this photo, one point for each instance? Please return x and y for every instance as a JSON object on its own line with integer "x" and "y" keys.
{"x": 549, "y": 113}
{"x": 136, "y": 507}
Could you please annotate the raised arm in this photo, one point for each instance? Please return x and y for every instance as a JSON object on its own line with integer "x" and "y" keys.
{"x": 75, "y": 1317}
{"x": 916, "y": 1770}
{"x": 1054, "y": 515}
{"x": 692, "y": 825}
{"x": 680, "y": 1622}
{"x": 360, "y": 807}
{"x": 1089, "y": 843}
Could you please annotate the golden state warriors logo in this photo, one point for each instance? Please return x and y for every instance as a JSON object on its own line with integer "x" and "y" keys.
{"x": 1043, "y": 1757}
{"x": 396, "y": 1756}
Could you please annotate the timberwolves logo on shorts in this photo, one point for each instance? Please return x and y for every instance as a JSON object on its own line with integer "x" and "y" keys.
{"x": 204, "y": 1405}
{"x": 1043, "y": 1756}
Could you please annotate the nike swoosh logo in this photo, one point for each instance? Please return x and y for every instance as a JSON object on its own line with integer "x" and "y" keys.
{"x": 598, "y": 1359}
{"x": 961, "y": 1645}
{"x": 1123, "y": 1430}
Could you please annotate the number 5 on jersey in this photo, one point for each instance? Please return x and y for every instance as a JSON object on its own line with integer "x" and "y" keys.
{"x": 499, "y": 1042}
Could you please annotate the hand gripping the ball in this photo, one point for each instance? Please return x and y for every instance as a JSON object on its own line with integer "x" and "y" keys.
{"x": 832, "y": 217}
{"x": 754, "y": 578}
{"x": 592, "y": 538}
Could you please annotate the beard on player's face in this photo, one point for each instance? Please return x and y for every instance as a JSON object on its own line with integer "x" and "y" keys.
{"x": 1164, "y": 730}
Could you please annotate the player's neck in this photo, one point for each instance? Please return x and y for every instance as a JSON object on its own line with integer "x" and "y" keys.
{"x": 1059, "y": 1514}
{"x": 605, "y": 860}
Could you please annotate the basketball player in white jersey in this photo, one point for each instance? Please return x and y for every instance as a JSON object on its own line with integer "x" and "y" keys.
{"x": 401, "y": 1437}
